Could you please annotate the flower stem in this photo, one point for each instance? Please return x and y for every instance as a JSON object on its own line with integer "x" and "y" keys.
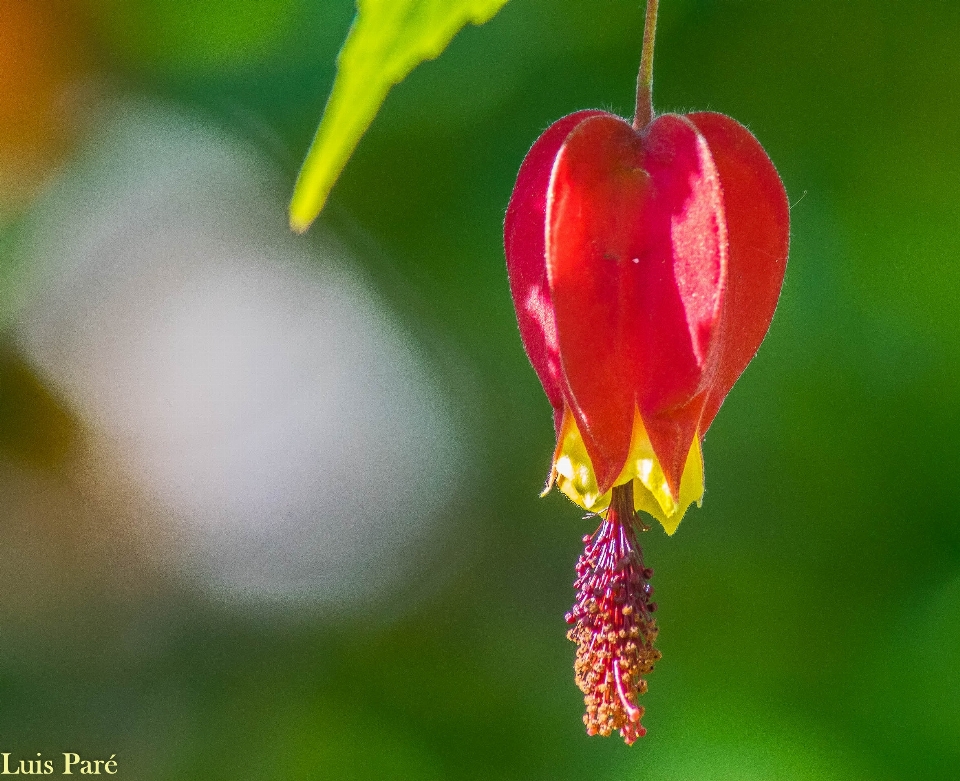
{"x": 643, "y": 115}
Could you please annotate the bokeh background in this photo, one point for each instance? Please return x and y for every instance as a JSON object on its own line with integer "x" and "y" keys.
{"x": 268, "y": 504}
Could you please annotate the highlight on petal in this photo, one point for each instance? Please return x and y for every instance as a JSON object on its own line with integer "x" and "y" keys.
{"x": 660, "y": 503}
{"x": 524, "y": 241}
{"x": 651, "y": 490}
{"x": 573, "y": 469}
{"x": 576, "y": 479}
{"x": 683, "y": 296}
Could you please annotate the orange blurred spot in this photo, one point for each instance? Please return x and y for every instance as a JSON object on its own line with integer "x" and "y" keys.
{"x": 41, "y": 63}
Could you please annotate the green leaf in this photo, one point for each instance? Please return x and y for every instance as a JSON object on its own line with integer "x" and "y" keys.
{"x": 388, "y": 39}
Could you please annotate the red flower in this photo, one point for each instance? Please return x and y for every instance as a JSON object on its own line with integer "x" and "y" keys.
{"x": 645, "y": 267}
{"x": 645, "y": 264}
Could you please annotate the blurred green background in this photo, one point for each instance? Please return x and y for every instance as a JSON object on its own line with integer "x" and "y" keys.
{"x": 164, "y": 599}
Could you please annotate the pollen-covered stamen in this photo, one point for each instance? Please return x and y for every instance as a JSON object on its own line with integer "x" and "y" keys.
{"x": 612, "y": 625}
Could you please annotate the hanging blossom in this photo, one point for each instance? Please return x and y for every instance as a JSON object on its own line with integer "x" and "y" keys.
{"x": 645, "y": 263}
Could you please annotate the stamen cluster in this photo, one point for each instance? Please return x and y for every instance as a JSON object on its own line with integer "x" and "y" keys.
{"x": 612, "y": 623}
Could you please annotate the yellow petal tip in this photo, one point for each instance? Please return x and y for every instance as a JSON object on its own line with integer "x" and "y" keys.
{"x": 299, "y": 224}
{"x": 574, "y": 476}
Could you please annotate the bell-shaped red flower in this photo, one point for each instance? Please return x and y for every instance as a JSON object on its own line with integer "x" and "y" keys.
{"x": 645, "y": 267}
{"x": 645, "y": 263}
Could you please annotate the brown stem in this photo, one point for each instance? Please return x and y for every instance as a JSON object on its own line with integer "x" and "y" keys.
{"x": 643, "y": 115}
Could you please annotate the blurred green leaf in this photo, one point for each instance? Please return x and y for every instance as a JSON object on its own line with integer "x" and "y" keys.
{"x": 388, "y": 39}
{"x": 192, "y": 36}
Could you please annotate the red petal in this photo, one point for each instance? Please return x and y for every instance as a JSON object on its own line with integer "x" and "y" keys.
{"x": 758, "y": 229}
{"x": 524, "y": 240}
{"x": 636, "y": 254}
{"x": 687, "y": 293}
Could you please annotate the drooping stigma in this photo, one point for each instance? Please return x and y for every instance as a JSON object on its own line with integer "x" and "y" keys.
{"x": 612, "y": 622}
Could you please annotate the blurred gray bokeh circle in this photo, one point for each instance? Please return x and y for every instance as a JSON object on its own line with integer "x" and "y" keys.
{"x": 263, "y": 397}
